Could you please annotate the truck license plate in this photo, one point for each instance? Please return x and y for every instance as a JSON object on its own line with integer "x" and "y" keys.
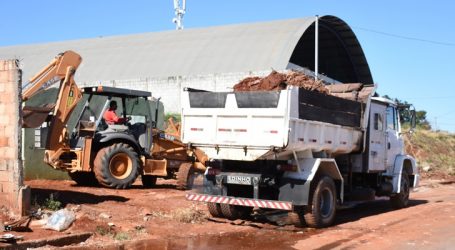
{"x": 241, "y": 180}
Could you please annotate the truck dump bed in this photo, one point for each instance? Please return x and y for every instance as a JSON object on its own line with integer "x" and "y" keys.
{"x": 255, "y": 125}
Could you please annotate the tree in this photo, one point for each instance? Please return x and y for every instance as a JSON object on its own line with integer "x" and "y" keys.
{"x": 405, "y": 114}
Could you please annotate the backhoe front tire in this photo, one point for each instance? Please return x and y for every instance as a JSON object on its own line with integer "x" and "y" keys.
{"x": 322, "y": 208}
{"x": 116, "y": 166}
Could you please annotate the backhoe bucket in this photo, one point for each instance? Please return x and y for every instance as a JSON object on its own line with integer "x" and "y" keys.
{"x": 33, "y": 117}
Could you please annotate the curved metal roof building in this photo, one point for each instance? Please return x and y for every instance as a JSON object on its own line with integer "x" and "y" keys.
{"x": 222, "y": 49}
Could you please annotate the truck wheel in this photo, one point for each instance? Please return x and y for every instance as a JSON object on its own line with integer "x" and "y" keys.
{"x": 401, "y": 199}
{"x": 215, "y": 210}
{"x": 185, "y": 177}
{"x": 148, "y": 181}
{"x": 84, "y": 178}
{"x": 235, "y": 212}
{"x": 322, "y": 208}
{"x": 116, "y": 166}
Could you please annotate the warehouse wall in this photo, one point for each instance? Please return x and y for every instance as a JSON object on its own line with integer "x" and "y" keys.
{"x": 170, "y": 88}
{"x": 13, "y": 194}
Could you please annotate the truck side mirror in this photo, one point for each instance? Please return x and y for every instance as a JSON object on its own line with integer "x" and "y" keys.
{"x": 413, "y": 119}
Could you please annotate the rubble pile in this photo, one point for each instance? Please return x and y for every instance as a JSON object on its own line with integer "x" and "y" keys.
{"x": 279, "y": 81}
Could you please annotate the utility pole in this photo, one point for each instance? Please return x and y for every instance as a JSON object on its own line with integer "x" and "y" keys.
{"x": 435, "y": 123}
{"x": 179, "y": 12}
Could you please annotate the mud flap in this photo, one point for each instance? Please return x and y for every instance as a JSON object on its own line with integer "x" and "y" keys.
{"x": 294, "y": 191}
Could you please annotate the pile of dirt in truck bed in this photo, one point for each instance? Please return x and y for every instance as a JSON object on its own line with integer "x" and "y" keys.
{"x": 279, "y": 81}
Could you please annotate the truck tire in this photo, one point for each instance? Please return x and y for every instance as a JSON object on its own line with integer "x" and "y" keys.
{"x": 148, "y": 181}
{"x": 83, "y": 178}
{"x": 233, "y": 212}
{"x": 401, "y": 199}
{"x": 116, "y": 166}
{"x": 321, "y": 209}
{"x": 215, "y": 209}
{"x": 185, "y": 176}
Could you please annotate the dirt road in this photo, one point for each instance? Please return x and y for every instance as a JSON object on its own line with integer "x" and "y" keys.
{"x": 161, "y": 218}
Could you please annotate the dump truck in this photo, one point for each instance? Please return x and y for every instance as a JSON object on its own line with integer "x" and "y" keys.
{"x": 92, "y": 151}
{"x": 297, "y": 150}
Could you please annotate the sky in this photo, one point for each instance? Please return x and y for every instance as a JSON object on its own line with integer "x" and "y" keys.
{"x": 409, "y": 45}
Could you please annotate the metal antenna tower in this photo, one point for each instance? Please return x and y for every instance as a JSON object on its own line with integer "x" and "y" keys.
{"x": 179, "y": 12}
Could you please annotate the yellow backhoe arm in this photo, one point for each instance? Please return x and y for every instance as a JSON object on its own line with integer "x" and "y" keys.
{"x": 56, "y": 71}
{"x": 62, "y": 69}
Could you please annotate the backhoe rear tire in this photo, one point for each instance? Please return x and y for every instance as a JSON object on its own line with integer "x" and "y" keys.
{"x": 84, "y": 178}
{"x": 116, "y": 166}
{"x": 185, "y": 176}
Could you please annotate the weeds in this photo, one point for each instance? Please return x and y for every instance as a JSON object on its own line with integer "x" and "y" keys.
{"x": 121, "y": 236}
{"x": 102, "y": 230}
{"x": 110, "y": 232}
{"x": 185, "y": 215}
{"x": 52, "y": 204}
{"x": 189, "y": 215}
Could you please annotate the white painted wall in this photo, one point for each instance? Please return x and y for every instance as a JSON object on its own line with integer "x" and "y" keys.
{"x": 170, "y": 88}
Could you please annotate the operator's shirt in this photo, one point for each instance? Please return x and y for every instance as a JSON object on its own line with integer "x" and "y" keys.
{"x": 111, "y": 117}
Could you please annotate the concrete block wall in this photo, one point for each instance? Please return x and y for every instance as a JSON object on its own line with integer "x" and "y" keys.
{"x": 13, "y": 194}
{"x": 170, "y": 88}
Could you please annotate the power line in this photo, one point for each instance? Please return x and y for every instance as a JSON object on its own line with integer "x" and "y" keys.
{"x": 406, "y": 37}
{"x": 446, "y": 124}
{"x": 447, "y": 113}
{"x": 429, "y": 97}
{"x": 396, "y": 35}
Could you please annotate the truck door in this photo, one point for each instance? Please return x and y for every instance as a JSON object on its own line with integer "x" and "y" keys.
{"x": 394, "y": 143}
{"x": 377, "y": 141}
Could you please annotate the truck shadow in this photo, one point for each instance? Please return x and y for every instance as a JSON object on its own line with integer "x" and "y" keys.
{"x": 39, "y": 196}
{"x": 367, "y": 209}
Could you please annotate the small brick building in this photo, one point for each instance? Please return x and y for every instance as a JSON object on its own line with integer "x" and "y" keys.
{"x": 13, "y": 194}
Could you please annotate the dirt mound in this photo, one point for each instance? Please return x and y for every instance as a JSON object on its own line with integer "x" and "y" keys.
{"x": 434, "y": 152}
{"x": 279, "y": 81}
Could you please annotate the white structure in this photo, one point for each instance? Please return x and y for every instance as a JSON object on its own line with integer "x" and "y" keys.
{"x": 212, "y": 58}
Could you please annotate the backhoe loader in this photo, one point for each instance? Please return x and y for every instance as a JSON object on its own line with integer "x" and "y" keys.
{"x": 92, "y": 151}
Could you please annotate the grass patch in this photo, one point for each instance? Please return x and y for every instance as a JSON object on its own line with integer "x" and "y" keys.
{"x": 110, "y": 232}
{"x": 52, "y": 204}
{"x": 103, "y": 231}
{"x": 189, "y": 215}
{"x": 120, "y": 236}
{"x": 184, "y": 215}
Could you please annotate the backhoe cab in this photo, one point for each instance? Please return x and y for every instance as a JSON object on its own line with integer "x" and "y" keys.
{"x": 110, "y": 153}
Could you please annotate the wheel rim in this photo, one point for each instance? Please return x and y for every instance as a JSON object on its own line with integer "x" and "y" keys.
{"x": 120, "y": 166}
{"x": 326, "y": 203}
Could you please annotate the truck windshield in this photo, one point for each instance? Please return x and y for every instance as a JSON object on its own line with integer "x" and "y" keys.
{"x": 392, "y": 122}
